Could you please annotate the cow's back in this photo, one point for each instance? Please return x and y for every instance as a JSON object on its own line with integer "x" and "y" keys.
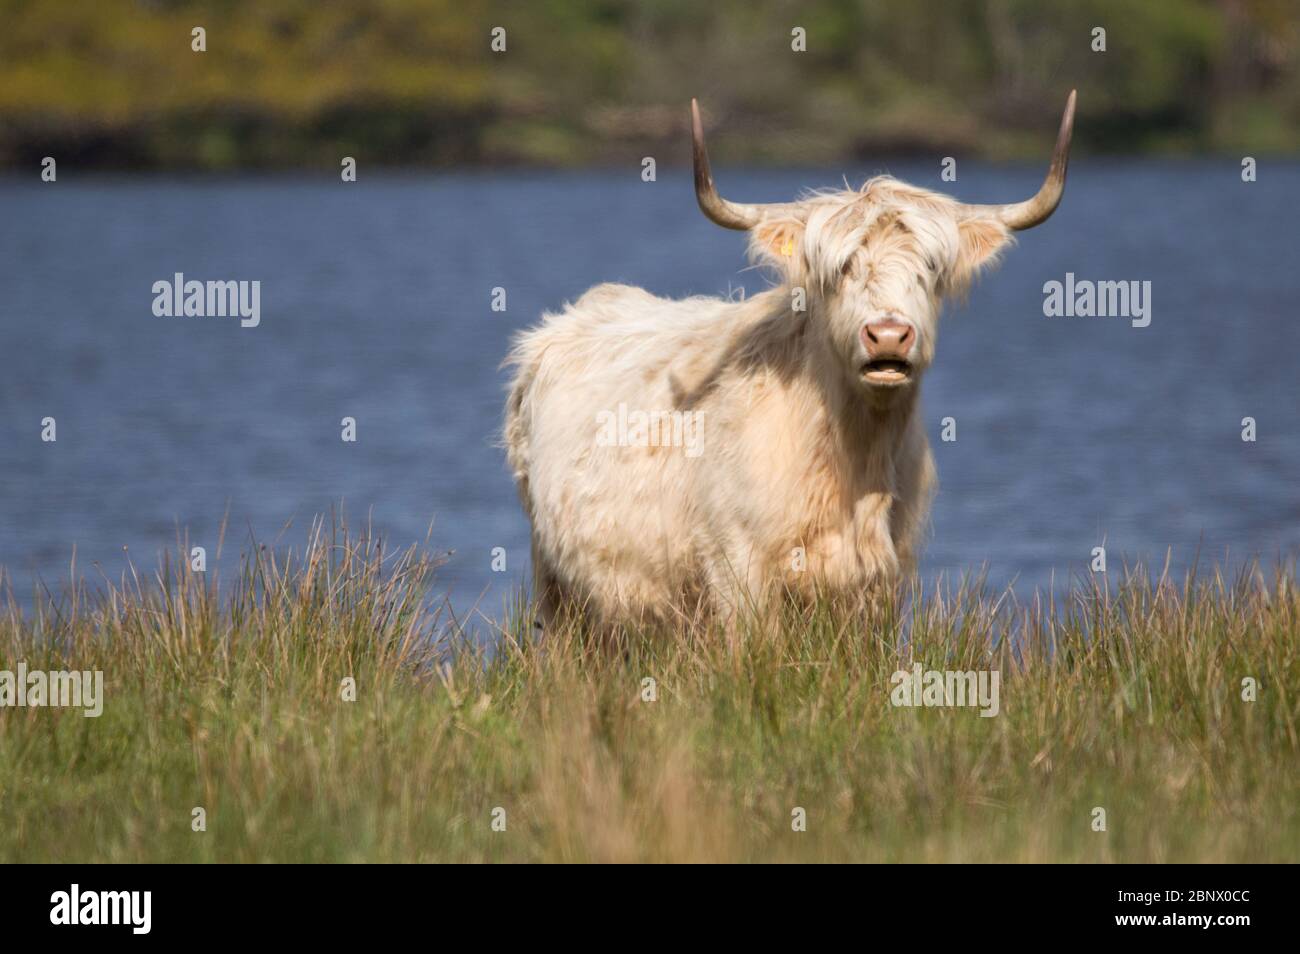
{"x": 610, "y": 519}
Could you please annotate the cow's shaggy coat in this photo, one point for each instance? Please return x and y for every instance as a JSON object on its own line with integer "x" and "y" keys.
{"x": 811, "y": 475}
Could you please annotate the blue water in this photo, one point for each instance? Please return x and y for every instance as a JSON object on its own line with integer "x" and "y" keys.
{"x": 376, "y": 305}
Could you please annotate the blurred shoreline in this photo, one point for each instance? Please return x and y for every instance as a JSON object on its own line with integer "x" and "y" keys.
{"x": 119, "y": 84}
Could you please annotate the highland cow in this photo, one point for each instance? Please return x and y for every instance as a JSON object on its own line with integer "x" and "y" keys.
{"x": 811, "y": 473}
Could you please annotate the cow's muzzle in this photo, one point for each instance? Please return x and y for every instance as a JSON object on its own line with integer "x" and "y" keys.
{"x": 889, "y": 344}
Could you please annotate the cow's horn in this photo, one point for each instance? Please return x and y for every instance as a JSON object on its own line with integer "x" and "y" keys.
{"x": 1031, "y": 212}
{"x": 730, "y": 215}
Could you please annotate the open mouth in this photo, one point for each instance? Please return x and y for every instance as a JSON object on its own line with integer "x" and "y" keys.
{"x": 886, "y": 371}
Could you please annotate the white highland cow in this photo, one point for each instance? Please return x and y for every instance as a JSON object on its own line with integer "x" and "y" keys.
{"x": 673, "y": 455}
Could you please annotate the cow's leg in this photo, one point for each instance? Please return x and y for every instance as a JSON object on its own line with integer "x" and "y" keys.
{"x": 737, "y": 590}
{"x": 546, "y": 590}
{"x": 915, "y": 480}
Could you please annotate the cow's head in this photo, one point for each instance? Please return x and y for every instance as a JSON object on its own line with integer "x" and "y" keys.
{"x": 875, "y": 264}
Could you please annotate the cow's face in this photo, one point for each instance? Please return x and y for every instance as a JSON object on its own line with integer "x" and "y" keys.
{"x": 873, "y": 268}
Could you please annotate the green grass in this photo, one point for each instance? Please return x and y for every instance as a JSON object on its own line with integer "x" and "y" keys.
{"x": 1127, "y": 699}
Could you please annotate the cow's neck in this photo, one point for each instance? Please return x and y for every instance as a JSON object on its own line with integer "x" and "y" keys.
{"x": 853, "y": 443}
{"x": 839, "y": 430}
{"x": 861, "y": 432}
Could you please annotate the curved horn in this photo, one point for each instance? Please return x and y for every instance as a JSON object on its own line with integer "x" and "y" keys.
{"x": 730, "y": 215}
{"x": 1031, "y": 212}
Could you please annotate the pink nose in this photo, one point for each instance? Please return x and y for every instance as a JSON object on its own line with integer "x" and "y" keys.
{"x": 888, "y": 338}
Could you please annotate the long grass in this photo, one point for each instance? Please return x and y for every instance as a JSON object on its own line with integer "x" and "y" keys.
{"x": 1125, "y": 696}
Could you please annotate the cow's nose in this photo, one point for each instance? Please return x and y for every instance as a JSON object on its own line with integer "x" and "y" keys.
{"x": 888, "y": 338}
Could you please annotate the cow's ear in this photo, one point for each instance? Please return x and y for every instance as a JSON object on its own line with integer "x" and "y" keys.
{"x": 779, "y": 242}
{"x": 980, "y": 240}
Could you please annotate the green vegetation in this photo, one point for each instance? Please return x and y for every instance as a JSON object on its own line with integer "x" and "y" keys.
{"x": 1129, "y": 700}
{"x": 302, "y": 83}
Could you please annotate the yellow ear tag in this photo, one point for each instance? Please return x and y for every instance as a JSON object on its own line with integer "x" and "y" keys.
{"x": 788, "y": 248}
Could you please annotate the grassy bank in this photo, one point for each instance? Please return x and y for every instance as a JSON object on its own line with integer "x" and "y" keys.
{"x": 1130, "y": 701}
